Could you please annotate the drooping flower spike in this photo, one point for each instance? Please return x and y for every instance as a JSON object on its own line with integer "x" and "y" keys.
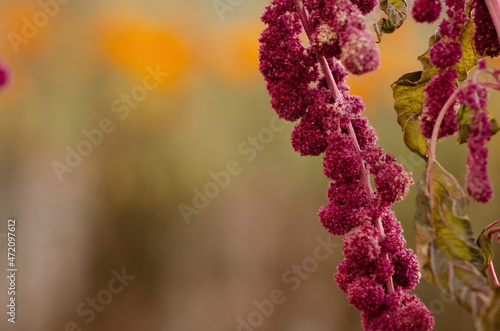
{"x": 475, "y": 96}
{"x": 308, "y": 83}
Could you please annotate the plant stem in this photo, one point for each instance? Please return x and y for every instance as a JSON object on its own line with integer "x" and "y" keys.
{"x": 332, "y": 85}
{"x": 493, "y": 229}
{"x": 336, "y": 95}
{"x": 432, "y": 152}
{"x": 491, "y": 270}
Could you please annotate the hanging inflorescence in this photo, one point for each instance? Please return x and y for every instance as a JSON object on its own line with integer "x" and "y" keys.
{"x": 308, "y": 83}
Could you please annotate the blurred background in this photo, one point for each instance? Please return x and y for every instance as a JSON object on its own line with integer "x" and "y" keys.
{"x": 150, "y": 187}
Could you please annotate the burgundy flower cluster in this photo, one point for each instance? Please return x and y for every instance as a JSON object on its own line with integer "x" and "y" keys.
{"x": 475, "y": 96}
{"x": 308, "y": 83}
{"x": 426, "y": 10}
{"x": 436, "y": 93}
{"x": 338, "y": 30}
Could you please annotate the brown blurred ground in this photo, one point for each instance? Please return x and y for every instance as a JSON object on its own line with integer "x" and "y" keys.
{"x": 120, "y": 207}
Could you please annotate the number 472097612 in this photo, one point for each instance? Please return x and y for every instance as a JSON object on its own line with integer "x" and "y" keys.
{"x": 11, "y": 242}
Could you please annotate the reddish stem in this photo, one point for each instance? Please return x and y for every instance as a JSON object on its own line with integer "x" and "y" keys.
{"x": 491, "y": 270}
{"x": 492, "y": 232}
{"x": 432, "y": 152}
{"x": 336, "y": 95}
{"x": 492, "y": 225}
{"x": 332, "y": 85}
{"x": 493, "y": 229}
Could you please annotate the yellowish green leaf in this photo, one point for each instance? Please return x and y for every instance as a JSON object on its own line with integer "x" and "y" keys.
{"x": 408, "y": 94}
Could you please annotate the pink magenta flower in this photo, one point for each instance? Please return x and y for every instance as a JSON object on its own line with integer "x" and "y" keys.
{"x": 359, "y": 52}
{"x": 406, "y": 270}
{"x": 366, "y": 294}
{"x": 391, "y": 181}
{"x": 445, "y": 54}
{"x": 341, "y": 162}
{"x": 393, "y": 241}
{"x": 485, "y": 38}
{"x": 426, "y": 10}
{"x": 346, "y": 208}
{"x": 436, "y": 93}
{"x": 287, "y": 66}
{"x": 362, "y": 244}
{"x": 365, "y": 6}
{"x": 401, "y": 314}
{"x": 310, "y": 136}
{"x": 339, "y": 30}
{"x": 451, "y": 27}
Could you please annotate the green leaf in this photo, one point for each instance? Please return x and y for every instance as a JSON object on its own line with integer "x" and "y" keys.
{"x": 484, "y": 242}
{"x": 396, "y": 11}
{"x": 447, "y": 252}
{"x": 463, "y": 116}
